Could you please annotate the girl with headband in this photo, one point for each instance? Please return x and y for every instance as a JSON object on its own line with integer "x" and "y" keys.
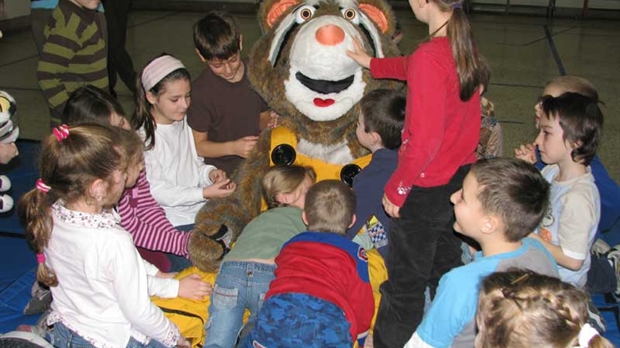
{"x": 442, "y": 126}
{"x": 524, "y": 309}
{"x": 99, "y": 283}
{"x": 180, "y": 181}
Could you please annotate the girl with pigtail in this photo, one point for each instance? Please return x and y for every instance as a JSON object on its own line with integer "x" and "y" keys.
{"x": 442, "y": 126}
{"x": 99, "y": 283}
{"x": 180, "y": 181}
{"x": 522, "y": 309}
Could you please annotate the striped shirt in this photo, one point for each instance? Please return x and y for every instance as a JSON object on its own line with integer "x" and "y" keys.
{"x": 74, "y": 54}
{"x": 145, "y": 219}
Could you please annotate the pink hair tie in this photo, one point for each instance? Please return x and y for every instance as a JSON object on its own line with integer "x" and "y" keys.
{"x": 40, "y": 258}
{"x": 61, "y": 132}
{"x": 40, "y": 185}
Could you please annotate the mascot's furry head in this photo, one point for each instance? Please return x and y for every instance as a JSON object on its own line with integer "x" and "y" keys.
{"x": 300, "y": 66}
{"x": 8, "y": 134}
{"x": 301, "y": 69}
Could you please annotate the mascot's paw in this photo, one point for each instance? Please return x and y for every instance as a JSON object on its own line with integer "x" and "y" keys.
{"x": 6, "y": 203}
{"x": 207, "y": 251}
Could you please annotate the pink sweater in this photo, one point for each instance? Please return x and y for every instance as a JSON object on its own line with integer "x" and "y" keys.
{"x": 145, "y": 219}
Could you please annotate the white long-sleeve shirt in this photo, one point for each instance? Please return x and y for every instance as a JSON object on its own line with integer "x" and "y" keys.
{"x": 176, "y": 173}
{"x": 103, "y": 283}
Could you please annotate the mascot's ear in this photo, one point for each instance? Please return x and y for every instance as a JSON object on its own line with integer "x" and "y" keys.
{"x": 380, "y": 13}
{"x": 273, "y": 10}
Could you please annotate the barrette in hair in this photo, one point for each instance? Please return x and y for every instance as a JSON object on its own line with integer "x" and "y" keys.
{"x": 40, "y": 258}
{"x": 520, "y": 279}
{"x": 40, "y": 185}
{"x": 61, "y": 132}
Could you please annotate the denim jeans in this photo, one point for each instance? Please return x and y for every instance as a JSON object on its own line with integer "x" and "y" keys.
{"x": 63, "y": 337}
{"x": 423, "y": 246}
{"x": 239, "y": 285}
{"x": 179, "y": 263}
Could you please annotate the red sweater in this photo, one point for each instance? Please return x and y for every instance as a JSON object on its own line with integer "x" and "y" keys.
{"x": 145, "y": 219}
{"x": 441, "y": 131}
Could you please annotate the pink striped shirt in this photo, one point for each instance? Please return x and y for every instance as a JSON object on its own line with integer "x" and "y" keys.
{"x": 145, "y": 219}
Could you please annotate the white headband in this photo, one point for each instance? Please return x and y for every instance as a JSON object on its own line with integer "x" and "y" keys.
{"x": 586, "y": 333}
{"x": 158, "y": 69}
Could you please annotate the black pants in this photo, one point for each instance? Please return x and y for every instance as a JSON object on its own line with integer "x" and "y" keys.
{"x": 119, "y": 61}
{"x": 423, "y": 246}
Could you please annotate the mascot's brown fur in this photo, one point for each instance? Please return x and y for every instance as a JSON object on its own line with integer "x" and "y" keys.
{"x": 300, "y": 68}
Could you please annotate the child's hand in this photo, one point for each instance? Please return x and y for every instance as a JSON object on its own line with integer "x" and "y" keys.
{"x": 217, "y": 175}
{"x": 183, "y": 342}
{"x": 192, "y": 287}
{"x": 7, "y": 152}
{"x": 243, "y": 146}
{"x": 219, "y": 189}
{"x": 273, "y": 119}
{"x": 170, "y": 275}
{"x": 527, "y": 153}
{"x": 390, "y": 208}
{"x": 359, "y": 55}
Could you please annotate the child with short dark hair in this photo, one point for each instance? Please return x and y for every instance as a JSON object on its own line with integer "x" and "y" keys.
{"x": 570, "y": 131}
{"x": 321, "y": 295}
{"x": 501, "y": 202}
{"x": 226, "y": 113}
{"x": 521, "y": 308}
{"x": 379, "y": 129}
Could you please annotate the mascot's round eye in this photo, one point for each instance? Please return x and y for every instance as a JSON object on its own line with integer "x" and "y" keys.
{"x": 351, "y": 15}
{"x": 304, "y": 13}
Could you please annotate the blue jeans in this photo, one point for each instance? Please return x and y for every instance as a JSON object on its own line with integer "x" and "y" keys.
{"x": 63, "y": 337}
{"x": 239, "y": 285}
{"x": 179, "y": 263}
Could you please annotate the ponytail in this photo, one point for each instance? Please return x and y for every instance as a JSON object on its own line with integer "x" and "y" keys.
{"x": 34, "y": 212}
{"x": 471, "y": 67}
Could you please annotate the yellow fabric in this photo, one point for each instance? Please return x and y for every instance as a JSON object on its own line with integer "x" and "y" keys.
{"x": 190, "y": 316}
{"x": 378, "y": 274}
{"x": 324, "y": 170}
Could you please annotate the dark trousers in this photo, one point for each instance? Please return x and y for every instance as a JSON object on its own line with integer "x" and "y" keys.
{"x": 119, "y": 61}
{"x": 423, "y": 246}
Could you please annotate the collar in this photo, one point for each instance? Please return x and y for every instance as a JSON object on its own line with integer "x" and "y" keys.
{"x": 105, "y": 220}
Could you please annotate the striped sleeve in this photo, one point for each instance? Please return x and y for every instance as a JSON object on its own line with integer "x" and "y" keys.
{"x": 145, "y": 219}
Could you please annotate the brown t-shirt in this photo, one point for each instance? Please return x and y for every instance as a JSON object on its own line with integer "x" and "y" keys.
{"x": 226, "y": 111}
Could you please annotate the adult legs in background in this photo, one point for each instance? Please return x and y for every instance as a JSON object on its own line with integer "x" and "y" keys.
{"x": 422, "y": 248}
{"x": 119, "y": 61}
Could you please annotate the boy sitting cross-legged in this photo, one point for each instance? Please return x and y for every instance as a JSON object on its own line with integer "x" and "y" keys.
{"x": 501, "y": 202}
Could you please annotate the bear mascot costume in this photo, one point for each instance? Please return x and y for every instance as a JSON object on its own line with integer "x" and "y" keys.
{"x": 300, "y": 68}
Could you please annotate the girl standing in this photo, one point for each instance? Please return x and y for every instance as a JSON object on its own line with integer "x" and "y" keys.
{"x": 98, "y": 280}
{"x": 180, "y": 181}
{"x": 441, "y": 132}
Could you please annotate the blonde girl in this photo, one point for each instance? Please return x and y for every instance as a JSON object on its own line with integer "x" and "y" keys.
{"x": 245, "y": 274}
{"x": 180, "y": 181}
{"x": 522, "y": 309}
{"x": 441, "y": 132}
{"x": 98, "y": 281}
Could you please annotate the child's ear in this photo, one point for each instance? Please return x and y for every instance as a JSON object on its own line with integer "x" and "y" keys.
{"x": 353, "y": 219}
{"x": 304, "y": 218}
{"x": 240, "y": 43}
{"x": 98, "y": 189}
{"x": 376, "y": 138}
{"x": 151, "y": 98}
{"x": 491, "y": 224}
{"x": 283, "y": 198}
{"x": 202, "y": 59}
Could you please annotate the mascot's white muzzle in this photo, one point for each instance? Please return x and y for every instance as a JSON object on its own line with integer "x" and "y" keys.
{"x": 324, "y": 83}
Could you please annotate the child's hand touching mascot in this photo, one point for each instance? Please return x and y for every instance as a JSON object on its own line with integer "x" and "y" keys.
{"x": 301, "y": 69}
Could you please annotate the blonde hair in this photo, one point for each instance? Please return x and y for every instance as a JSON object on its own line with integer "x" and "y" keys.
{"x": 68, "y": 167}
{"x": 575, "y": 84}
{"x": 131, "y": 145}
{"x": 282, "y": 180}
{"x": 521, "y": 308}
{"x": 329, "y": 207}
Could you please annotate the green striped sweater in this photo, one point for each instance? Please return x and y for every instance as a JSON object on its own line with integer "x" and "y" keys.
{"x": 74, "y": 54}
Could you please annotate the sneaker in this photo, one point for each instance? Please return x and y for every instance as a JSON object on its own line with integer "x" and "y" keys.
{"x": 41, "y": 299}
{"x": 595, "y": 319}
{"x": 600, "y": 247}
{"x": 614, "y": 256}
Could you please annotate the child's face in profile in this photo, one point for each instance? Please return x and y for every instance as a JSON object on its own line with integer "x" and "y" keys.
{"x": 297, "y": 198}
{"x": 119, "y": 121}
{"x": 467, "y": 208}
{"x": 133, "y": 172}
{"x": 88, "y": 4}
{"x": 360, "y": 132}
{"x": 551, "y": 143}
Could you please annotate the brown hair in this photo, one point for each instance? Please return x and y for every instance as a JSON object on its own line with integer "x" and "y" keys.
{"x": 91, "y": 104}
{"x": 523, "y": 309}
{"x": 216, "y": 36}
{"x": 68, "y": 167}
{"x": 284, "y": 179}
{"x": 471, "y": 66}
{"x": 581, "y": 121}
{"x": 383, "y": 111}
{"x": 515, "y": 191}
{"x": 329, "y": 207}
